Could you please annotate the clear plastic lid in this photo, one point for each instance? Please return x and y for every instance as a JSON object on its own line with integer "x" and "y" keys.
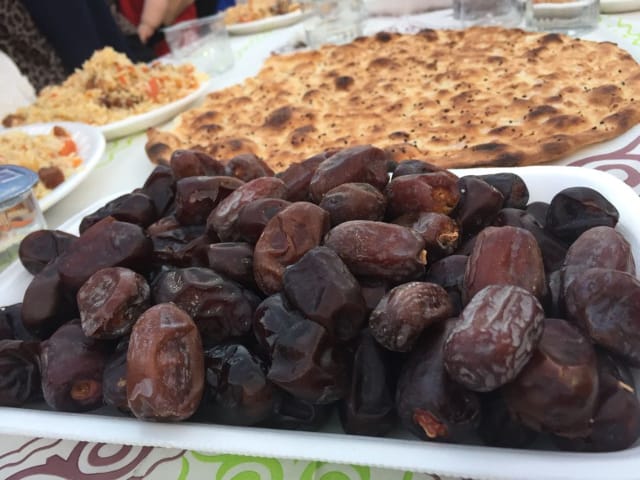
{"x": 14, "y": 182}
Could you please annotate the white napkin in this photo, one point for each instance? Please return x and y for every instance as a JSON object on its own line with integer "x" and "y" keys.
{"x": 16, "y": 89}
{"x": 404, "y": 7}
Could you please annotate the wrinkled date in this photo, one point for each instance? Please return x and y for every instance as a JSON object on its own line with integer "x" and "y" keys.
{"x": 196, "y": 197}
{"x": 222, "y": 218}
{"x": 307, "y": 363}
{"x": 557, "y": 390}
{"x": 378, "y": 249}
{"x": 575, "y": 210}
{"x": 237, "y": 391}
{"x": 165, "y": 365}
{"x": 428, "y": 192}
{"x": 606, "y": 305}
{"x": 505, "y": 256}
{"x": 111, "y": 301}
{"x": 285, "y": 239}
{"x": 368, "y": 408}
{"x": 108, "y": 243}
{"x": 404, "y": 312}
{"x": 430, "y": 404}
{"x": 41, "y": 247}
{"x": 362, "y": 164}
{"x": 71, "y": 368}
{"x": 19, "y": 373}
{"x": 325, "y": 291}
{"x": 219, "y": 307}
{"x": 495, "y": 338}
{"x": 601, "y": 247}
{"x": 354, "y": 201}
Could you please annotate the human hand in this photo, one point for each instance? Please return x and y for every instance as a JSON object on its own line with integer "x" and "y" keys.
{"x": 145, "y": 31}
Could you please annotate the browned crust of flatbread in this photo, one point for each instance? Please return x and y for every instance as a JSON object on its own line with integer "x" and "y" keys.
{"x": 481, "y": 96}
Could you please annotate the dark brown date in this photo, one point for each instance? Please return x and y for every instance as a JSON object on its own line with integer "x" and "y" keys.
{"x": 160, "y": 187}
{"x": 448, "y": 272}
{"x": 427, "y": 192}
{"x": 273, "y": 316}
{"x": 325, "y": 291}
{"x": 478, "y": 206}
{"x": 297, "y": 176}
{"x": 616, "y": 419}
{"x": 361, "y": 164}
{"x": 177, "y": 245}
{"x": 575, "y": 210}
{"x": 234, "y": 261}
{"x": 406, "y": 311}
{"x": 378, "y": 249}
{"x": 41, "y": 247}
{"x": 553, "y": 251}
{"x": 45, "y": 307}
{"x": 308, "y": 364}
{"x": 72, "y": 365}
{"x": 254, "y": 216}
{"x": 247, "y": 167}
{"x": 605, "y": 303}
{"x": 498, "y": 428}
{"x": 236, "y": 390}
{"x": 135, "y": 207}
{"x": 111, "y": 301}
{"x": 431, "y": 405}
{"x": 511, "y": 186}
{"x": 220, "y": 308}
{"x": 196, "y": 197}
{"x": 285, "y": 239}
{"x": 114, "y": 378}
{"x": 557, "y": 390}
{"x": 11, "y": 326}
{"x": 507, "y": 256}
{"x": 222, "y": 218}
{"x": 498, "y": 331}
{"x": 108, "y": 243}
{"x": 193, "y": 163}
{"x": 601, "y": 247}
{"x": 354, "y": 201}
{"x": 414, "y": 167}
{"x": 19, "y": 373}
{"x": 292, "y": 413}
{"x": 441, "y": 233}
{"x": 369, "y": 407}
{"x": 165, "y": 365}
{"x": 373, "y": 289}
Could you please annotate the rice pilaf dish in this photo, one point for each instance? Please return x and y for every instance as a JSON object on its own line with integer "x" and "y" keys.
{"x": 258, "y": 9}
{"x": 108, "y": 88}
{"x": 53, "y": 156}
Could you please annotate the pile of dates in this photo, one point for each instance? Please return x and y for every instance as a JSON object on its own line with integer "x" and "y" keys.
{"x": 400, "y": 294}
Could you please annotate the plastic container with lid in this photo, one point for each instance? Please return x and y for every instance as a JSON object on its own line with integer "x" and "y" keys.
{"x": 20, "y": 212}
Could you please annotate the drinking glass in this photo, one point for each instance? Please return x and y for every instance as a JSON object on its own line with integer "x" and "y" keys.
{"x": 203, "y": 42}
{"x": 333, "y": 21}
{"x": 506, "y": 13}
{"x": 572, "y": 17}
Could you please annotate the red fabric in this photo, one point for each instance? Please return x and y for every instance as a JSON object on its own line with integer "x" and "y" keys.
{"x": 132, "y": 11}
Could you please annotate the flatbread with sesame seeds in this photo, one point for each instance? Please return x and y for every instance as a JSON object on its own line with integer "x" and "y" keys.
{"x": 455, "y": 98}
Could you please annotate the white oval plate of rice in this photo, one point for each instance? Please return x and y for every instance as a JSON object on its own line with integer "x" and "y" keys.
{"x": 90, "y": 144}
{"x": 157, "y": 116}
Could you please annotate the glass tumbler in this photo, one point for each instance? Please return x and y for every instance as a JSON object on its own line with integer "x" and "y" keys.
{"x": 333, "y": 21}
{"x": 572, "y": 17}
{"x": 505, "y": 13}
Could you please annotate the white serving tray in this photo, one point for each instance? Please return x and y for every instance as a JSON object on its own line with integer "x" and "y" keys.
{"x": 400, "y": 452}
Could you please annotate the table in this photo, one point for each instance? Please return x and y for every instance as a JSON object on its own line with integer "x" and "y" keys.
{"x": 125, "y": 166}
